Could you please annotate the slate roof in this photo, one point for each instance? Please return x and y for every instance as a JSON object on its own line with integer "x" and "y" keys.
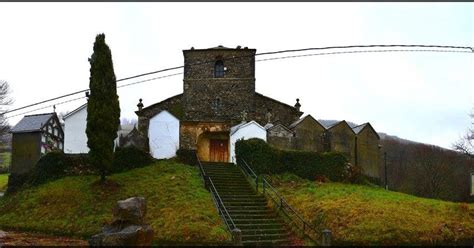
{"x": 359, "y": 128}
{"x": 294, "y": 124}
{"x": 243, "y": 124}
{"x": 330, "y": 123}
{"x": 31, "y": 123}
{"x": 297, "y": 122}
{"x": 75, "y": 111}
{"x": 282, "y": 126}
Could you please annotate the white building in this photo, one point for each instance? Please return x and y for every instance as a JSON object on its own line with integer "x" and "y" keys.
{"x": 244, "y": 131}
{"x": 163, "y": 135}
{"x": 75, "y": 137}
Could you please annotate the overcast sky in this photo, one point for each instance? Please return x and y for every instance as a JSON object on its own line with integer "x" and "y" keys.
{"x": 420, "y": 96}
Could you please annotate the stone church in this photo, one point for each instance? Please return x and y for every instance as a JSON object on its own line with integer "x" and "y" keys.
{"x": 219, "y": 105}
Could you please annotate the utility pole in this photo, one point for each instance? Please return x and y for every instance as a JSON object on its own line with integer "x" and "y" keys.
{"x": 385, "y": 164}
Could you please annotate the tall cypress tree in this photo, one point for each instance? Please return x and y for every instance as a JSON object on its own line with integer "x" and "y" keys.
{"x": 103, "y": 110}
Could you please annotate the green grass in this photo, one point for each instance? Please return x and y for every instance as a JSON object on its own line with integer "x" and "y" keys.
{"x": 5, "y": 159}
{"x": 3, "y": 182}
{"x": 179, "y": 209}
{"x": 364, "y": 215}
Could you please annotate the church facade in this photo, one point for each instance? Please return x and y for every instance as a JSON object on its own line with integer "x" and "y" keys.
{"x": 219, "y": 101}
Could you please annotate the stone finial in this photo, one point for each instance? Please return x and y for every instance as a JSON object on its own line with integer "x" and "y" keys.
{"x": 268, "y": 116}
{"x": 192, "y": 48}
{"x": 238, "y": 47}
{"x": 243, "y": 115}
{"x": 140, "y": 105}
{"x": 297, "y": 105}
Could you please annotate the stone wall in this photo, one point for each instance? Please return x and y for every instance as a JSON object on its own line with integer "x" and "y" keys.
{"x": 280, "y": 112}
{"x": 280, "y": 137}
{"x": 309, "y": 135}
{"x": 209, "y": 98}
{"x": 189, "y": 132}
{"x": 342, "y": 140}
{"x": 25, "y": 152}
{"x": 368, "y": 153}
{"x": 173, "y": 105}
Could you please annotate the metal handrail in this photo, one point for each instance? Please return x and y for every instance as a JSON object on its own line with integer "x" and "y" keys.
{"x": 217, "y": 199}
{"x": 280, "y": 200}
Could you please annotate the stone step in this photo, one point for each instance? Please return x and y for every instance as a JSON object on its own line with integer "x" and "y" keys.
{"x": 231, "y": 183}
{"x": 265, "y": 236}
{"x": 272, "y": 221}
{"x": 229, "y": 180}
{"x": 230, "y": 201}
{"x": 242, "y": 197}
{"x": 276, "y": 242}
{"x": 250, "y": 211}
{"x": 227, "y": 176}
{"x": 259, "y": 226}
{"x": 245, "y": 208}
{"x": 252, "y": 216}
{"x": 245, "y": 204}
{"x": 264, "y": 231}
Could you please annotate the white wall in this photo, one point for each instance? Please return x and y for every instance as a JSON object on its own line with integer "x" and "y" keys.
{"x": 252, "y": 130}
{"x": 75, "y": 138}
{"x": 163, "y": 135}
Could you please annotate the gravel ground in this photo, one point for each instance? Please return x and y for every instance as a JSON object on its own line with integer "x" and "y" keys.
{"x": 33, "y": 239}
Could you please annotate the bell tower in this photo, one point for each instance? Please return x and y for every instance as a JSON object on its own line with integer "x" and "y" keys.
{"x": 219, "y": 83}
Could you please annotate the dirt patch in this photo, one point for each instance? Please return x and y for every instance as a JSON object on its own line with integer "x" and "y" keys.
{"x": 34, "y": 239}
{"x": 109, "y": 185}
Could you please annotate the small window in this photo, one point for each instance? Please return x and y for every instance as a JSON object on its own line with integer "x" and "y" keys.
{"x": 219, "y": 69}
{"x": 216, "y": 104}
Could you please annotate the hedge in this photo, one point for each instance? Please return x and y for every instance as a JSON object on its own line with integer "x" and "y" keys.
{"x": 56, "y": 164}
{"x": 128, "y": 158}
{"x": 264, "y": 159}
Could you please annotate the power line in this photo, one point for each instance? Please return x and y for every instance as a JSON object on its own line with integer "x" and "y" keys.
{"x": 72, "y": 100}
{"x": 361, "y": 51}
{"x": 268, "y": 53}
{"x": 365, "y": 46}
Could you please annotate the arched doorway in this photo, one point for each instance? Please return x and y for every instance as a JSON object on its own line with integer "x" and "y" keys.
{"x": 213, "y": 146}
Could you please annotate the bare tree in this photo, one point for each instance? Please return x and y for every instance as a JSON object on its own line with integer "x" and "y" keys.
{"x": 126, "y": 121}
{"x": 465, "y": 144}
{"x": 5, "y": 100}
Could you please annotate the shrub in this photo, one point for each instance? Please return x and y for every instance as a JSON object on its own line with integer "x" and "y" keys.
{"x": 265, "y": 159}
{"x": 128, "y": 158}
{"x": 50, "y": 166}
{"x": 259, "y": 155}
{"x": 186, "y": 156}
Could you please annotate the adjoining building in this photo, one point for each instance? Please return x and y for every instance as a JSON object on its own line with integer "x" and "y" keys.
{"x": 32, "y": 137}
{"x": 219, "y": 98}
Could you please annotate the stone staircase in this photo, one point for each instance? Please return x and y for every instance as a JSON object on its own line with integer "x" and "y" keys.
{"x": 259, "y": 224}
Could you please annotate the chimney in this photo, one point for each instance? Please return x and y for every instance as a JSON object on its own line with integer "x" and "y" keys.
{"x": 140, "y": 105}
{"x": 297, "y": 105}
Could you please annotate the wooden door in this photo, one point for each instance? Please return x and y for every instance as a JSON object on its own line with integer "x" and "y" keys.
{"x": 218, "y": 150}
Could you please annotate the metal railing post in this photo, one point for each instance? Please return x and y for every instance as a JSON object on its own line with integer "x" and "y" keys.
{"x": 206, "y": 182}
{"x": 326, "y": 237}
{"x": 256, "y": 184}
{"x": 237, "y": 236}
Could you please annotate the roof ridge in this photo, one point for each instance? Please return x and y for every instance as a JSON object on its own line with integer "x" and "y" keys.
{"x": 40, "y": 114}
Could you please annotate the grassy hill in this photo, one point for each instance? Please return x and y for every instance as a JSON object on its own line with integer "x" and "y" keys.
{"x": 362, "y": 215}
{"x": 178, "y": 207}
{"x": 3, "y": 182}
